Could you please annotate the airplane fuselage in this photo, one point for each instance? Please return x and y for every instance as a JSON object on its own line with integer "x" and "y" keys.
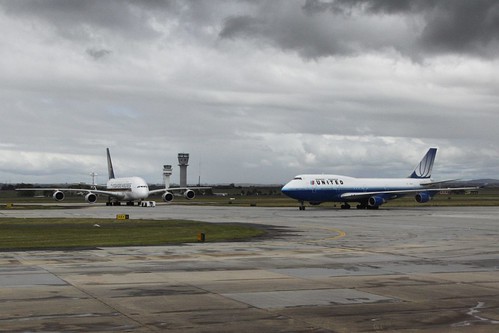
{"x": 129, "y": 188}
{"x": 336, "y": 188}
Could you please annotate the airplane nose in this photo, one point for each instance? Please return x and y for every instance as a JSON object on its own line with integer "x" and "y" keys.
{"x": 292, "y": 189}
{"x": 285, "y": 189}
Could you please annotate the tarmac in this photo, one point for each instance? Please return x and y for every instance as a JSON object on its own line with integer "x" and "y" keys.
{"x": 422, "y": 269}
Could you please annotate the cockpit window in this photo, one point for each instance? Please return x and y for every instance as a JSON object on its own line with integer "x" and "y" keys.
{"x": 297, "y": 178}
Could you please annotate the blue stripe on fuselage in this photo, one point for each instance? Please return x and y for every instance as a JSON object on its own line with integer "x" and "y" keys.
{"x": 318, "y": 194}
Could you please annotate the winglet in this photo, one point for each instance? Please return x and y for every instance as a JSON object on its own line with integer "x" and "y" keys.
{"x": 110, "y": 170}
{"x": 423, "y": 170}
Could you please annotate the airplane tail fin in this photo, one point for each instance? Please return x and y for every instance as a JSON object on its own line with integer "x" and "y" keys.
{"x": 423, "y": 170}
{"x": 110, "y": 170}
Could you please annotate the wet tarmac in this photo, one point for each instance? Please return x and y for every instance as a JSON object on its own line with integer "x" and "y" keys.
{"x": 424, "y": 269}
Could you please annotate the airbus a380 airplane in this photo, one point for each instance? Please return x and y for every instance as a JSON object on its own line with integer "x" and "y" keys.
{"x": 128, "y": 189}
{"x": 368, "y": 192}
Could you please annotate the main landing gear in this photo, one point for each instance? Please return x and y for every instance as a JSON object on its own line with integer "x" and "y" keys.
{"x": 359, "y": 206}
{"x": 118, "y": 203}
{"x": 363, "y": 206}
{"x": 345, "y": 205}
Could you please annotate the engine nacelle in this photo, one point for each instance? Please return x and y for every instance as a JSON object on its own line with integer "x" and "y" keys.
{"x": 90, "y": 198}
{"x": 376, "y": 201}
{"x": 189, "y": 194}
{"x": 58, "y": 195}
{"x": 167, "y": 197}
{"x": 422, "y": 197}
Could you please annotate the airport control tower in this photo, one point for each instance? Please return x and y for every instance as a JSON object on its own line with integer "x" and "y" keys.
{"x": 183, "y": 162}
{"x": 167, "y": 172}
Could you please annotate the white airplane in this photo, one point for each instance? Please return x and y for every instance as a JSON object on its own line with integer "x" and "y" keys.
{"x": 370, "y": 193}
{"x": 128, "y": 189}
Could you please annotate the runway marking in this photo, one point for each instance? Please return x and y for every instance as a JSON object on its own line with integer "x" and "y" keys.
{"x": 340, "y": 234}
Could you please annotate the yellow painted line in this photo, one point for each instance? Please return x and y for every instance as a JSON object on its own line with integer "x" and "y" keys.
{"x": 340, "y": 234}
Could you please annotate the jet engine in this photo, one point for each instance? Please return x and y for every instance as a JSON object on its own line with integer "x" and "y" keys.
{"x": 376, "y": 201}
{"x": 58, "y": 195}
{"x": 167, "y": 196}
{"x": 423, "y": 197}
{"x": 90, "y": 198}
{"x": 189, "y": 194}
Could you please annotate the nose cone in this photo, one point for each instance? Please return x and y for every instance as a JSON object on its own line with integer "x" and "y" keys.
{"x": 288, "y": 189}
{"x": 143, "y": 192}
{"x": 285, "y": 188}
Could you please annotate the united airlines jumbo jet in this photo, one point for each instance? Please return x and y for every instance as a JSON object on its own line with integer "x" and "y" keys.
{"x": 369, "y": 193}
{"x": 128, "y": 189}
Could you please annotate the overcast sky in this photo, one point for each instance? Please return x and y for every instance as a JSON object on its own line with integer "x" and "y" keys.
{"x": 255, "y": 91}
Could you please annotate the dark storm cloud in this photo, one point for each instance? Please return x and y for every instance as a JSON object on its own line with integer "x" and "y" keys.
{"x": 451, "y": 26}
{"x": 313, "y": 28}
{"x": 339, "y": 27}
{"x": 284, "y": 25}
{"x": 80, "y": 19}
{"x": 469, "y": 27}
{"x": 373, "y": 6}
{"x": 242, "y": 25}
{"x": 98, "y": 54}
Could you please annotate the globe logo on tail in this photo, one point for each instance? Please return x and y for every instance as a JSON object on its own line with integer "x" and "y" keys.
{"x": 423, "y": 170}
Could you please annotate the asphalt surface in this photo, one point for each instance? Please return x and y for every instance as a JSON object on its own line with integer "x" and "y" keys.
{"x": 424, "y": 269}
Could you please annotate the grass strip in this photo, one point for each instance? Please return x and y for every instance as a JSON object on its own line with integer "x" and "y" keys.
{"x": 53, "y": 233}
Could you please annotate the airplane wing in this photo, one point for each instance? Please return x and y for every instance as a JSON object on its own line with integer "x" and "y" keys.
{"x": 396, "y": 193}
{"x": 173, "y": 189}
{"x": 55, "y": 189}
{"x": 85, "y": 190}
{"x": 439, "y": 182}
